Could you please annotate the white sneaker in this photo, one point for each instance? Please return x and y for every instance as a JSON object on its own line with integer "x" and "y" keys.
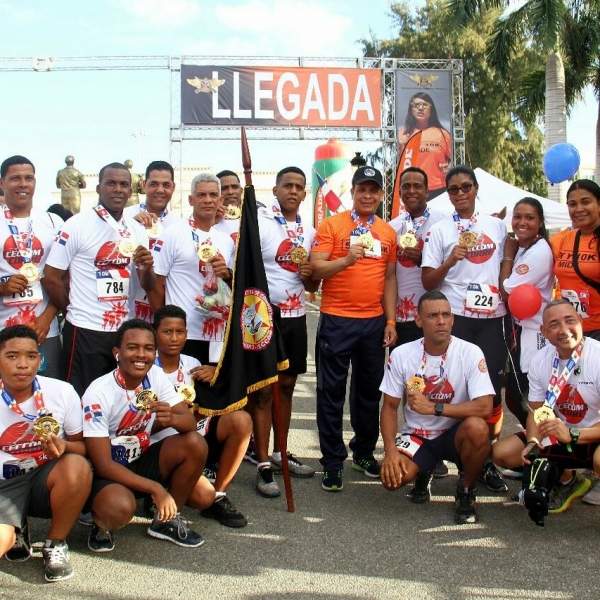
{"x": 593, "y": 496}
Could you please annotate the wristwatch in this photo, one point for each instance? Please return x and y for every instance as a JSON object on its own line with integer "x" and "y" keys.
{"x": 575, "y": 433}
{"x": 439, "y": 409}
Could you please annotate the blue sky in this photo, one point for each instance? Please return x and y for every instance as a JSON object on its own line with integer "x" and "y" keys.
{"x": 92, "y": 114}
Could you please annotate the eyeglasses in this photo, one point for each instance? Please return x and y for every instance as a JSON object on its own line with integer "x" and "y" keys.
{"x": 465, "y": 188}
{"x": 420, "y": 104}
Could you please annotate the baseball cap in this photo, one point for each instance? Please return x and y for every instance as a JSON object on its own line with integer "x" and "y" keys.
{"x": 363, "y": 174}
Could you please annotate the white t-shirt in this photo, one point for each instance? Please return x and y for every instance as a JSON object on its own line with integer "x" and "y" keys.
{"x": 230, "y": 227}
{"x": 471, "y": 285}
{"x": 286, "y": 289}
{"x": 175, "y": 258}
{"x": 108, "y": 412}
{"x": 20, "y": 447}
{"x": 465, "y": 378}
{"x": 408, "y": 274}
{"x": 104, "y": 283}
{"x": 20, "y": 309}
{"x": 176, "y": 378}
{"x": 578, "y": 404}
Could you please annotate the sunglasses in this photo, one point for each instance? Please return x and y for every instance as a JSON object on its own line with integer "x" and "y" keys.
{"x": 420, "y": 104}
{"x": 465, "y": 188}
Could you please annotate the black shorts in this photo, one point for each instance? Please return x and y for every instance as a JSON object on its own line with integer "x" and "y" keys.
{"x": 407, "y": 331}
{"x": 147, "y": 466}
{"x": 207, "y": 428}
{"x": 295, "y": 342}
{"x": 581, "y": 456}
{"x": 26, "y": 495}
{"x": 433, "y": 451}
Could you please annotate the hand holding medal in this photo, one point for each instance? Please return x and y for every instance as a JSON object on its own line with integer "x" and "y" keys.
{"x": 145, "y": 399}
{"x": 415, "y": 384}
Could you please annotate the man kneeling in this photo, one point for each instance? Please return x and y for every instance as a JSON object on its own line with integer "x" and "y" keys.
{"x": 43, "y": 470}
{"x": 447, "y": 396}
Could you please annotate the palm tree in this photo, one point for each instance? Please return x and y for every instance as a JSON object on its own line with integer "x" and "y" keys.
{"x": 546, "y": 25}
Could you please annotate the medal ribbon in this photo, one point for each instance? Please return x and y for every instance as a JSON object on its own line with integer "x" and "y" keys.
{"x": 25, "y": 247}
{"x": 180, "y": 370}
{"x": 360, "y": 226}
{"x": 296, "y": 237}
{"x": 108, "y": 218}
{"x": 162, "y": 215}
{"x": 38, "y": 400}
{"x": 414, "y": 226}
{"x": 459, "y": 226}
{"x": 556, "y": 383}
{"x": 421, "y": 372}
{"x": 120, "y": 379}
{"x": 195, "y": 237}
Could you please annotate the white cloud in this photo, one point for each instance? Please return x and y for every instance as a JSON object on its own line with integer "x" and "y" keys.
{"x": 159, "y": 12}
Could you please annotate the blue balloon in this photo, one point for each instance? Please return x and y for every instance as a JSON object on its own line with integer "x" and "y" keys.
{"x": 561, "y": 162}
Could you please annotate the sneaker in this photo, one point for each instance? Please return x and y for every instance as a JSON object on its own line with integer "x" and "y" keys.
{"x": 100, "y": 540}
{"x": 464, "y": 507}
{"x": 593, "y": 496}
{"x": 265, "y": 484}
{"x": 440, "y": 470}
{"x": 516, "y": 473}
{"x": 225, "y": 512}
{"x": 561, "y": 496}
{"x": 332, "y": 481}
{"x": 149, "y": 508}
{"x": 421, "y": 490}
{"x": 297, "y": 468}
{"x": 57, "y": 561}
{"x": 177, "y": 531}
{"x": 369, "y": 466}
{"x": 21, "y": 549}
{"x": 85, "y": 519}
{"x": 492, "y": 479}
{"x": 250, "y": 455}
{"x": 210, "y": 473}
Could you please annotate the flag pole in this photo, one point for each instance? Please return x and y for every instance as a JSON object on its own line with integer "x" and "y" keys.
{"x": 247, "y": 164}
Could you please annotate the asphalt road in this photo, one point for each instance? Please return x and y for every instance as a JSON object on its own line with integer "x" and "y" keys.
{"x": 364, "y": 542}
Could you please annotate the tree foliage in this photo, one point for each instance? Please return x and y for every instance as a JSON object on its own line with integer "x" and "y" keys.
{"x": 497, "y": 139}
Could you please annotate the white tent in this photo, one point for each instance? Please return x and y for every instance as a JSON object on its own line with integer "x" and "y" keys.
{"x": 494, "y": 194}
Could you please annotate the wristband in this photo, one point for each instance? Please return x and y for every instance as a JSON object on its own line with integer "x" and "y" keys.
{"x": 532, "y": 441}
{"x": 508, "y": 259}
{"x": 390, "y": 322}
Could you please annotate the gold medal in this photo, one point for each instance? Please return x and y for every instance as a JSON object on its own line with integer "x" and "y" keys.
{"x": 187, "y": 393}
{"x": 366, "y": 239}
{"x": 206, "y": 252}
{"x": 30, "y": 272}
{"x": 415, "y": 384}
{"x": 408, "y": 240}
{"x": 155, "y": 230}
{"x": 233, "y": 212}
{"x": 127, "y": 247}
{"x": 145, "y": 399}
{"x": 468, "y": 239}
{"x": 298, "y": 255}
{"x": 543, "y": 413}
{"x": 46, "y": 425}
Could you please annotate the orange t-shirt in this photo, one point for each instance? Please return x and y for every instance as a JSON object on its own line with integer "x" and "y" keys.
{"x": 356, "y": 291}
{"x": 584, "y": 297}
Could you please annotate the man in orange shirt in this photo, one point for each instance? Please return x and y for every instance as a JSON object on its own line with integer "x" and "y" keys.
{"x": 354, "y": 253}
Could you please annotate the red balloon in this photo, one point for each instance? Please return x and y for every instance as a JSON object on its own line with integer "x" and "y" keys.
{"x": 525, "y": 301}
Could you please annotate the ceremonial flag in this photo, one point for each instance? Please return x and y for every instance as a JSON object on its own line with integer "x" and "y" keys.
{"x": 408, "y": 158}
{"x": 331, "y": 198}
{"x": 249, "y": 360}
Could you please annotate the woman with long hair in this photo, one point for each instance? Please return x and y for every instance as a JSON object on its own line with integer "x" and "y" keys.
{"x": 576, "y": 254}
{"x": 435, "y": 146}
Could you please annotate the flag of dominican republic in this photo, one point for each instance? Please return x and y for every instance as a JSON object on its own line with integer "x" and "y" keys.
{"x": 62, "y": 238}
{"x": 157, "y": 246}
{"x": 92, "y": 413}
{"x": 331, "y": 198}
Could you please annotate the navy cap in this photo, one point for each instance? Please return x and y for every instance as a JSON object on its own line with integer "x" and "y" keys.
{"x": 363, "y": 174}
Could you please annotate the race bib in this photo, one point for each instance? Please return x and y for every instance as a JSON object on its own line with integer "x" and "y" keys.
{"x": 32, "y": 295}
{"x": 203, "y": 426}
{"x": 14, "y": 468}
{"x": 112, "y": 285}
{"x": 481, "y": 298}
{"x": 127, "y": 448}
{"x": 579, "y": 300}
{"x": 374, "y": 252}
{"x": 408, "y": 444}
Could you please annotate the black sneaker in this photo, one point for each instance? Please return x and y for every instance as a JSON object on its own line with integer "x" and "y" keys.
{"x": 266, "y": 484}
{"x": 85, "y": 519}
{"x": 210, "y": 472}
{"x": 57, "y": 561}
{"x": 21, "y": 549}
{"x": 177, "y": 531}
{"x": 369, "y": 466}
{"x": 492, "y": 478}
{"x": 149, "y": 508}
{"x": 440, "y": 470}
{"x": 332, "y": 481}
{"x": 225, "y": 512}
{"x": 100, "y": 540}
{"x": 464, "y": 507}
{"x": 421, "y": 490}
